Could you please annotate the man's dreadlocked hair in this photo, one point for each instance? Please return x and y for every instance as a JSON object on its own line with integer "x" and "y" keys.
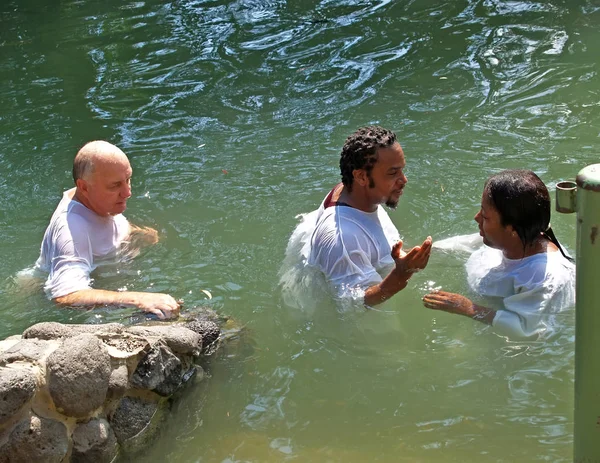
{"x": 360, "y": 151}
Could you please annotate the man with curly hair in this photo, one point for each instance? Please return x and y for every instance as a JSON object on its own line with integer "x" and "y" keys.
{"x": 351, "y": 238}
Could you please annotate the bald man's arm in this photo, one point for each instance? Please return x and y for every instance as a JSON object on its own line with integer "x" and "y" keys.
{"x": 162, "y": 305}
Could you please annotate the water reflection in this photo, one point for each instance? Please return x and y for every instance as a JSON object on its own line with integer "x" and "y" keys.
{"x": 232, "y": 114}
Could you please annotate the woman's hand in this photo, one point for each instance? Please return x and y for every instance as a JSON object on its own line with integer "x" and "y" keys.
{"x": 449, "y": 302}
{"x": 461, "y": 305}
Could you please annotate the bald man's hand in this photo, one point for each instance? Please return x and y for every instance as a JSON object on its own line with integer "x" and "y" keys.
{"x": 142, "y": 235}
{"x": 161, "y": 305}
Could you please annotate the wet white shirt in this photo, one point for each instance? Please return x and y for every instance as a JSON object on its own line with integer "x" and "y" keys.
{"x": 530, "y": 290}
{"x": 75, "y": 243}
{"x": 351, "y": 248}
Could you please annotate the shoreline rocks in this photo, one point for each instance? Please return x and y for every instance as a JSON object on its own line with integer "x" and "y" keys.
{"x": 87, "y": 393}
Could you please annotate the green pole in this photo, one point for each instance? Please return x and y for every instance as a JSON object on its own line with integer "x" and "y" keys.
{"x": 587, "y": 318}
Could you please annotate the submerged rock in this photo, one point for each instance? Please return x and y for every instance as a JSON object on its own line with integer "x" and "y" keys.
{"x": 135, "y": 422}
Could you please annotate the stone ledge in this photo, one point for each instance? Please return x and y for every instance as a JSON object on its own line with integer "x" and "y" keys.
{"x": 104, "y": 388}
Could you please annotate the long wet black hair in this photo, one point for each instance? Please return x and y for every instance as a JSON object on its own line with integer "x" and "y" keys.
{"x": 523, "y": 201}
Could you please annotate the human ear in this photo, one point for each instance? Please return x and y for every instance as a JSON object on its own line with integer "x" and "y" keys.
{"x": 81, "y": 185}
{"x": 360, "y": 177}
{"x": 512, "y": 232}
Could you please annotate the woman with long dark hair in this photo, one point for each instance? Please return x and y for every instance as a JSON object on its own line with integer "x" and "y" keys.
{"x": 522, "y": 268}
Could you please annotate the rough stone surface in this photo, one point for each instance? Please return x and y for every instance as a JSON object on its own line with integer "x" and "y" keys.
{"x": 124, "y": 345}
{"x": 179, "y": 338}
{"x": 36, "y": 439}
{"x": 27, "y": 350}
{"x": 118, "y": 381}
{"x": 110, "y": 386}
{"x": 78, "y": 374}
{"x": 94, "y": 441}
{"x": 209, "y": 331}
{"x": 53, "y": 330}
{"x": 160, "y": 371}
{"x": 17, "y": 387}
{"x": 131, "y": 417}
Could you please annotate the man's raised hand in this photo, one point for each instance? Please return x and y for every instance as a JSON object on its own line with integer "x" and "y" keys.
{"x": 414, "y": 260}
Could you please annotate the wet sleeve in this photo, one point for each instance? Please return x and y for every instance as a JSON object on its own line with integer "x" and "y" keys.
{"x": 71, "y": 261}
{"x": 525, "y": 313}
{"x": 463, "y": 243}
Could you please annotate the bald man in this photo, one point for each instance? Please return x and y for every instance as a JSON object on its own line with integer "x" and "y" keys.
{"x": 88, "y": 228}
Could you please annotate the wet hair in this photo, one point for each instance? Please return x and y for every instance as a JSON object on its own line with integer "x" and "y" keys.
{"x": 360, "y": 151}
{"x": 522, "y": 201}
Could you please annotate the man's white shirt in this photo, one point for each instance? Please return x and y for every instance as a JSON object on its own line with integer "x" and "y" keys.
{"x": 76, "y": 241}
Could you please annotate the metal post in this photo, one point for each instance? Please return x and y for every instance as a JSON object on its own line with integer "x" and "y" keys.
{"x": 587, "y": 318}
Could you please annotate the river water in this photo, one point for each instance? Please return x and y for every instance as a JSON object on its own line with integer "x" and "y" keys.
{"x": 233, "y": 115}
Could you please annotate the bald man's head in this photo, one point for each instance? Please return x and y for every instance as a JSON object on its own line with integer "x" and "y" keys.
{"x": 102, "y": 176}
{"x": 91, "y": 155}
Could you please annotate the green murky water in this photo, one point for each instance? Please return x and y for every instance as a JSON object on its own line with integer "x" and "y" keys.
{"x": 233, "y": 115}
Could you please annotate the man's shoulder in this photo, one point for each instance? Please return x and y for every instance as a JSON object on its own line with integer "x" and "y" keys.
{"x": 338, "y": 227}
{"x": 339, "y": 218}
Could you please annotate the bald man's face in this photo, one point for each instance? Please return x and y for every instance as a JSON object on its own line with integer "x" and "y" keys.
{"x": 107, "y": 190}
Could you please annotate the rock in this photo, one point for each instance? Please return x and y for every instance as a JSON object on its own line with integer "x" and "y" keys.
{"x": 124, "y": 345}
{"x": 36, "y": 439}
{"x": 118, "y": 381}
{"x": 133, "y": 416}
{"x": 159, "y": 371}
{"x": 7, "y": 343}
{"x": 53, "y": 330}
{"x": 179, "y": 338}
{"x": 94, "y": 441}
{"x": 210, "y": 332}
{"x": 78, "y": 374}
{"x": 17, "y": 387}
{"x": 27, "y": 350}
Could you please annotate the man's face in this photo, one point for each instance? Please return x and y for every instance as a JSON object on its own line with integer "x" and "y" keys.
{"x": 387, "y": 179}
{"x": 109, "y": 187}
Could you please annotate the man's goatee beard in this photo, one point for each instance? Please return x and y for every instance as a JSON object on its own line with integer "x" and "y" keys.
{"x": 391, "y": 204}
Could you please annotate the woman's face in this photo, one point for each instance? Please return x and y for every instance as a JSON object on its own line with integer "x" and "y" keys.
{"x": 491, "y": 229}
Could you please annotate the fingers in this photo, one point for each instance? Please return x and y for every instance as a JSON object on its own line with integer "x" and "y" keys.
{"x": 157, "y": 312}
{"x": 437, "y": 294}
{"x": 172, "y": 308}
{"x": 435, "y": 300}
{"x": 427, "y": 245}
{"x": 396, "y": 250}
{"x": 161, "y": 305}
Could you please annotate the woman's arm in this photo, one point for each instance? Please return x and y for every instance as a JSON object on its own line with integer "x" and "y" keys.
{"x": 461, "y": 305}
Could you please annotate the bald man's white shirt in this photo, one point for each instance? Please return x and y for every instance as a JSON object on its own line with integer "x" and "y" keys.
{"x": 75, "y": 243}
